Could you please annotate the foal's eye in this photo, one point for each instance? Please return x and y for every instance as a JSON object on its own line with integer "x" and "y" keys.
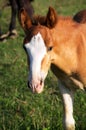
{"x": 50, "y": 48}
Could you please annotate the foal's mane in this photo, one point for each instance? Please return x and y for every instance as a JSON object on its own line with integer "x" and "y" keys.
{"x": 50, "y": 20}
{"x": 36, "y": 20}
{"x": 41, "y": 20}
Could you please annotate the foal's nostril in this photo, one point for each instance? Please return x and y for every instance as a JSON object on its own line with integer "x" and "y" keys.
{"x": 28, "y": 84}
{"x": 41, "y": 81}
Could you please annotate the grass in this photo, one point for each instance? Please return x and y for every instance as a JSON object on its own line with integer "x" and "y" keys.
{"x": 19, "y": 108}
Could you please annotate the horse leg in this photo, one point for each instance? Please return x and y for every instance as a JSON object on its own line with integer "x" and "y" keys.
{"x": 67, "y": 96}
{"x": 12, "y": 27}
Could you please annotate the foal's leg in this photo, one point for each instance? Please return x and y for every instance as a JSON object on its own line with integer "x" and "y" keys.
{"x": 67, "y": 96}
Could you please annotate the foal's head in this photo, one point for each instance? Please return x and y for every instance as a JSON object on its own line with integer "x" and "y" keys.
{"x": 39, "y": 47}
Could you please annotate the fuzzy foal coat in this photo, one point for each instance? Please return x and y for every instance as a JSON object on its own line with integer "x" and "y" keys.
{"x": 65, "y": 41}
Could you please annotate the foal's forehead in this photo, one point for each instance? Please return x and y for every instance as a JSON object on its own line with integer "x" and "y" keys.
{"x": 36, "y": 44}
{"x": 33, "y": 31}
{"x": 36, "y": 47}
{"x": 42, "y": 30}
{"x": 36, "y": 41}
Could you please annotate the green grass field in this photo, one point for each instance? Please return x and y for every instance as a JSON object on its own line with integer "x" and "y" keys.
{"x": 19, "y": 108}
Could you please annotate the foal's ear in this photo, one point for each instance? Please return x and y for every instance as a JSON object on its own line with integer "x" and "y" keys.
{"x": 51, "y": 18}
{"x": 24, "y": 19}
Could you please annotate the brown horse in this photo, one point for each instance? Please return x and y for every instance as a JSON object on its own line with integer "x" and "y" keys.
{"x": 58, "y": 43}
{"x": 16, "y": 5}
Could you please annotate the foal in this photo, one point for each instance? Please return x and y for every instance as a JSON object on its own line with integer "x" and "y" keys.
{"x": 58, "y": 43}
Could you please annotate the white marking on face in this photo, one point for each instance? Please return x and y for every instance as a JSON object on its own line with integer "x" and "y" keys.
{"x": 36, "y": 50}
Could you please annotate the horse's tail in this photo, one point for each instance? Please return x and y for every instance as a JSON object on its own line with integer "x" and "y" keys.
{"x": 80, "y": 17}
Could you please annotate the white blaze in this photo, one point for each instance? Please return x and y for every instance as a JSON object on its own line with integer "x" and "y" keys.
{"x": 36, "y": 50}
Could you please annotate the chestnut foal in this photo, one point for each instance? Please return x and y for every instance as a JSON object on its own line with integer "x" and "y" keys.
{"x": 58, "y": 43}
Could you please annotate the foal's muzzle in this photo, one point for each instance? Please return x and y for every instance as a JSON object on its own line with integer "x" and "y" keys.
{"x": 36, "y": 86}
